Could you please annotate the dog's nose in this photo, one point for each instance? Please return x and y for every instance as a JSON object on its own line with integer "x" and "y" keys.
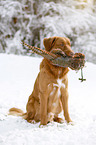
{"x": 69, "y": 51}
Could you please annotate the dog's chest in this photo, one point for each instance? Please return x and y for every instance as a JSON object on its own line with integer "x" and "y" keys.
{"x": 59, "y": 83}
{"x": 54, "y": 101}
{"x": 55, "y": 91}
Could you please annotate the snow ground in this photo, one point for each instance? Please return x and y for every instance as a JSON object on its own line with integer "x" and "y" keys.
{"x": 17, "y": 76}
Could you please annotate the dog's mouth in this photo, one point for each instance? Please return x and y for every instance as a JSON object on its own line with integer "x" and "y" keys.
{"x": 59, "y": 52}
{"x": 73, "y": 60}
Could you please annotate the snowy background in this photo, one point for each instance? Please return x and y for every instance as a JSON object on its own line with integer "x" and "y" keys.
{"x": 33, "y": 20}
{"x": 17, "y": 76}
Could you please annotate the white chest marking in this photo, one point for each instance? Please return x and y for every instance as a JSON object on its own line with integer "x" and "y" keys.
{"x": 59, "y": 84}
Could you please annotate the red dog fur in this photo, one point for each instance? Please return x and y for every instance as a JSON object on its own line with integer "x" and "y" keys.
{"x": 50, "y": 93}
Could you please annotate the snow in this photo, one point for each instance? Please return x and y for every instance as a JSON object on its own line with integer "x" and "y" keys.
{"x": 17, "y": 76}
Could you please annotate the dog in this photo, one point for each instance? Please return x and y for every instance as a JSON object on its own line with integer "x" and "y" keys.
{"x": 50, "y": 93}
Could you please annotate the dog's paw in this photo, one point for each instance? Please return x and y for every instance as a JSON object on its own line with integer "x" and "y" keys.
{"x": 42, "y": 126}
{"x": 59, "y": 120}
{"x": 71, "y": 123}
{"x": 33, "y": 122}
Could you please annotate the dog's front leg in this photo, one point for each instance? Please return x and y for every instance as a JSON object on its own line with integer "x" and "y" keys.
{"x": 43, "y": 108}
{"x": 64, "y": 100}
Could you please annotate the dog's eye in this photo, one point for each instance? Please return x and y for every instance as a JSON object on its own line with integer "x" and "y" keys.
{"x": 62, "y": 44}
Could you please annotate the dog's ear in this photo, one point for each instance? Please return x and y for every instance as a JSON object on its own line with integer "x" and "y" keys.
{"x": 49, "y": 43}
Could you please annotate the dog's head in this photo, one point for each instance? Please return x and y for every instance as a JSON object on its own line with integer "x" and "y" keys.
{"x": 61, "y": 46}
{"x": 58, "y": 43}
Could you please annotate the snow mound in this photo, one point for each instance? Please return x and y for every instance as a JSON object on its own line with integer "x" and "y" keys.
{"x": 17, "y": 76}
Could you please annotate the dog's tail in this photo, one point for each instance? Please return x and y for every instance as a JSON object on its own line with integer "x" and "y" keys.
{"x": 16, "y": 112}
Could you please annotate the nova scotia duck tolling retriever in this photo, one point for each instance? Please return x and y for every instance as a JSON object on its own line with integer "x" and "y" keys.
{"x": 50, "y": 93}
